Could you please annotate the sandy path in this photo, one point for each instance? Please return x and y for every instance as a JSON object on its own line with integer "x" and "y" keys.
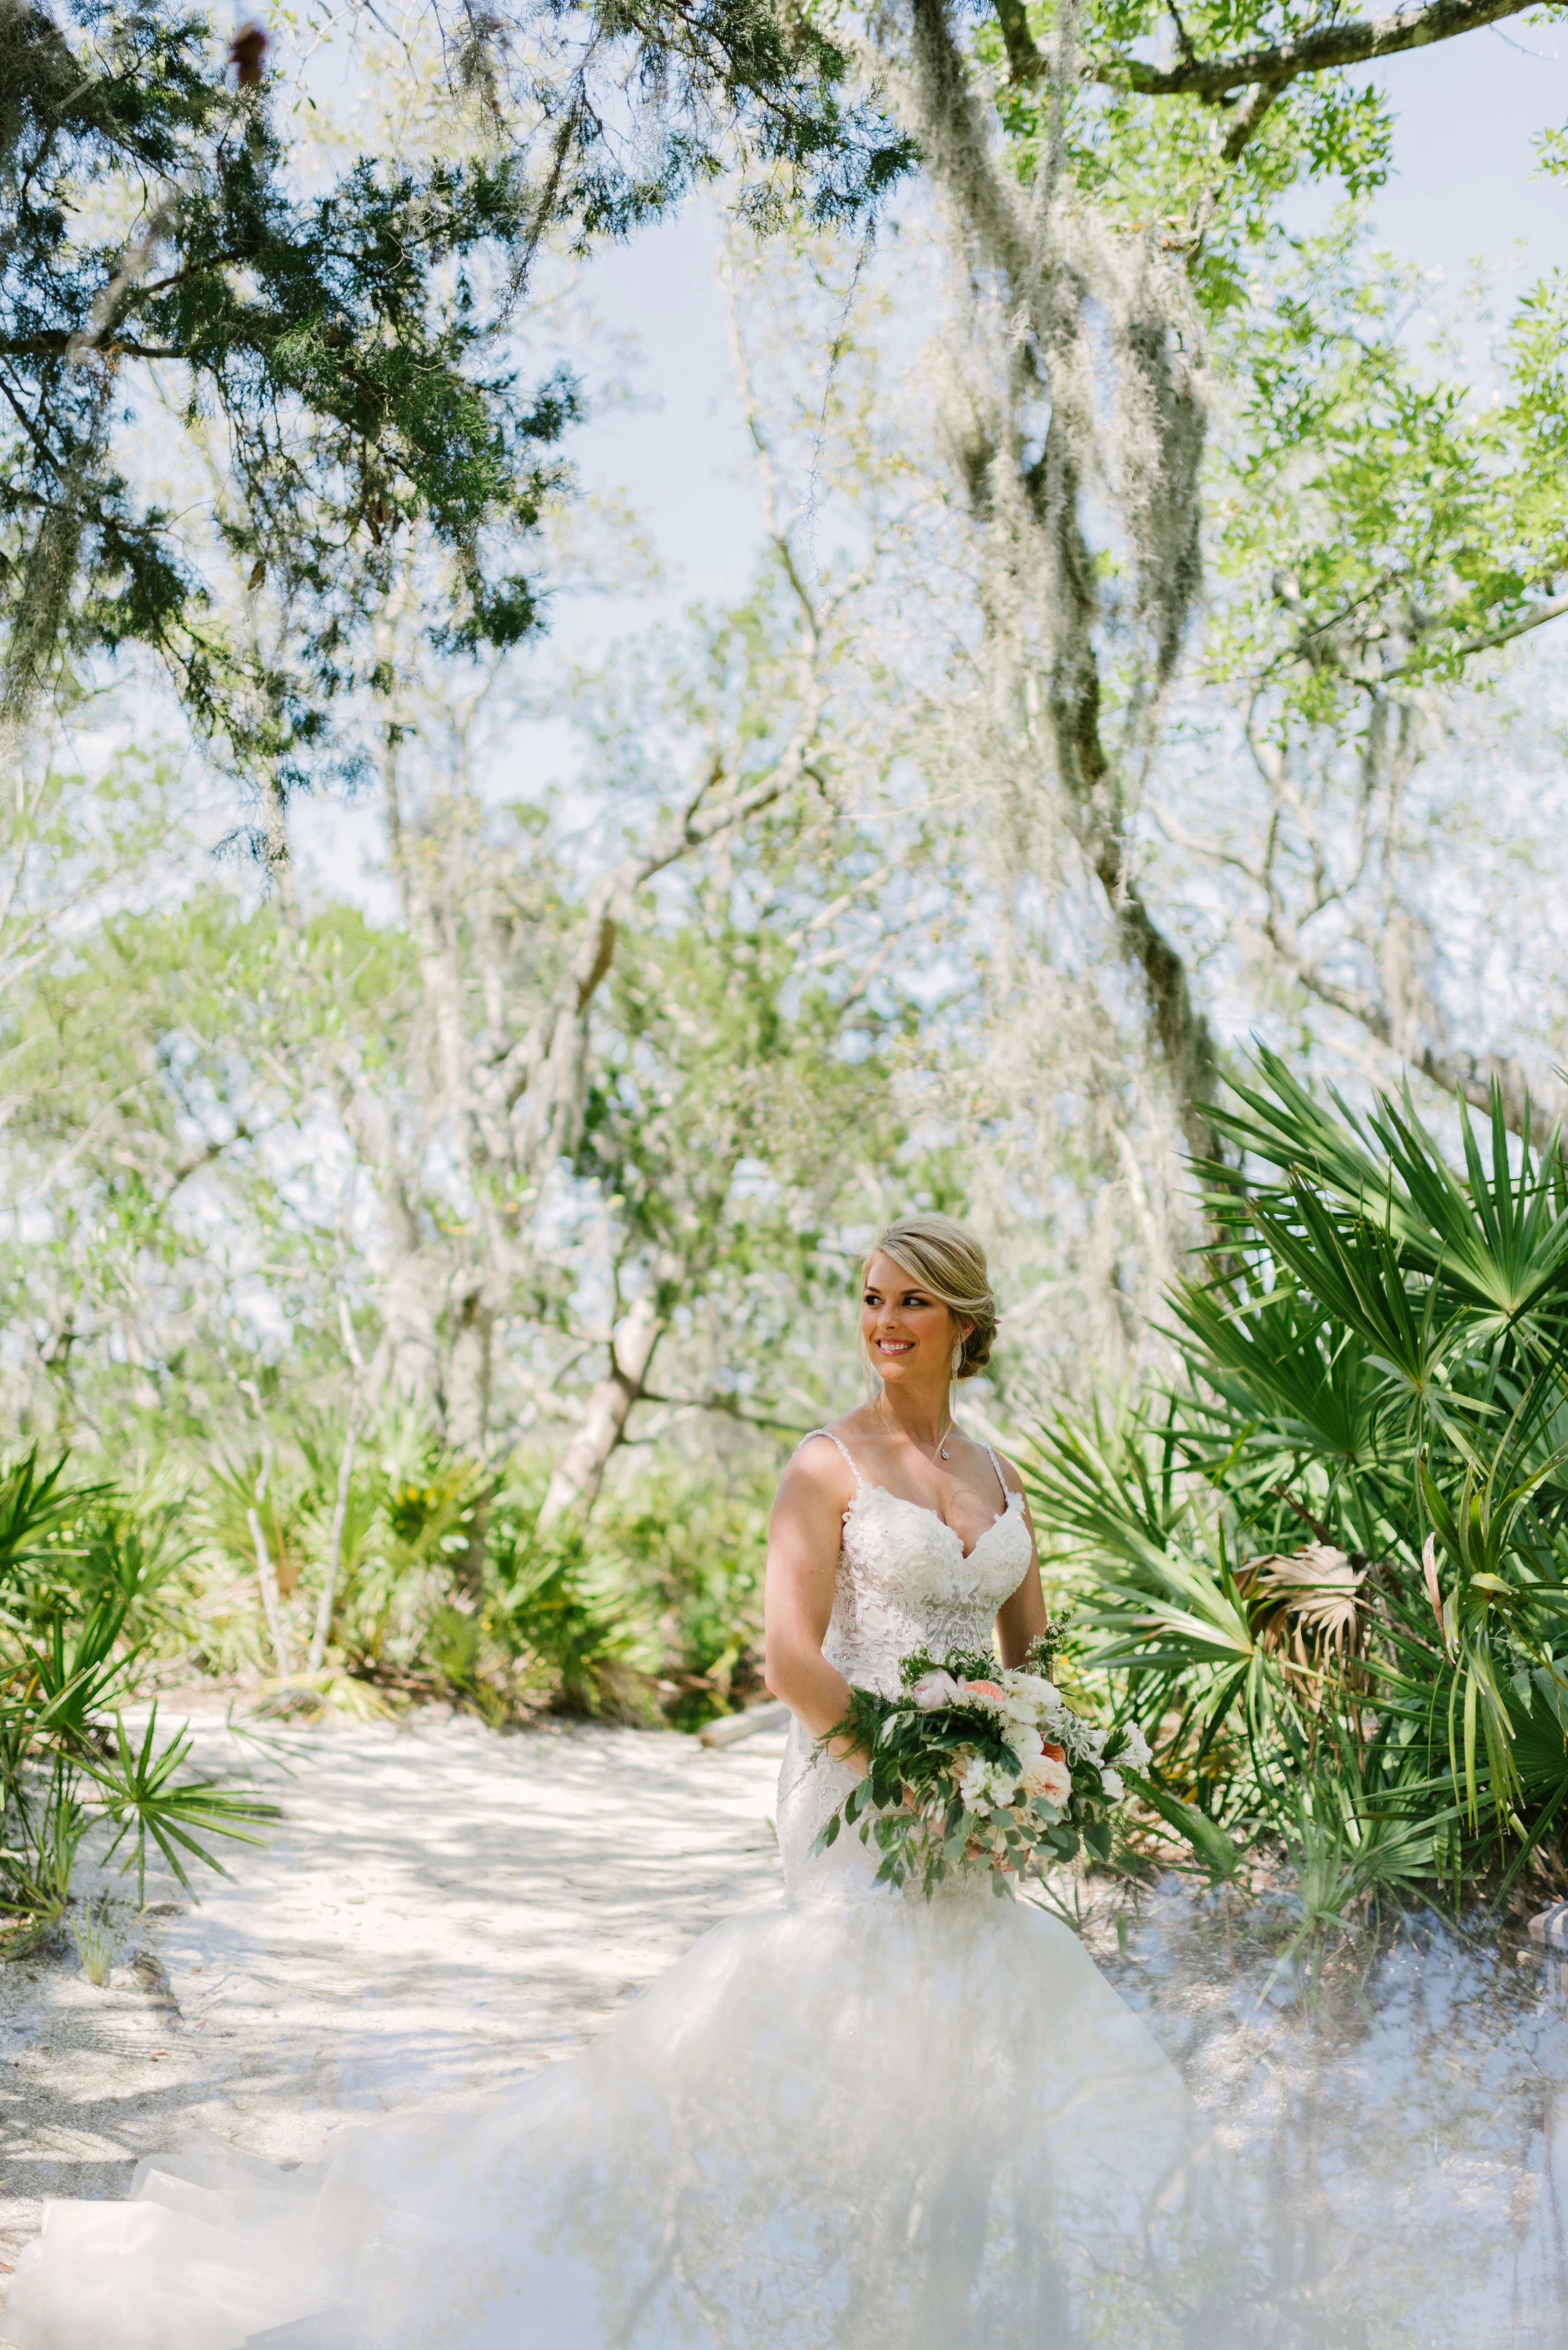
{"x": 440, "y": 1909}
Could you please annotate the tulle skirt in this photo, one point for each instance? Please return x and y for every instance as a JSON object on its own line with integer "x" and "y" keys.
{"x": 854, "y": 2123}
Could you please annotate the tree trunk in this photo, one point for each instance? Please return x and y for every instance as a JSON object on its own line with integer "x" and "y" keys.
{"x": 468, "y": 1374}
{"x": 1107, "y": 334}
{"x": 1185, "y": 1040}
{"x": 271, "y": 1598}
{"x": 408, "y": 1360}
{"x": 407, "y": 1363}
{"x": 580, "y": 1470}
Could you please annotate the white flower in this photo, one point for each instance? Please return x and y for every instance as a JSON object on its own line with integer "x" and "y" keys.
{"x": 985, "y": 1785}
{"x": 1024, "y": 1739}
{"x": 1133, "y": 1749}
{"x": 933, "y": 1689}
{"x": 1111, "y": 1781}
{"x": 1035, "y": 1687}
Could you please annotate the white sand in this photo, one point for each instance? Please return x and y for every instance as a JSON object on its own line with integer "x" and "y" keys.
{"x": 440, "y": 1909}
{"x": 444, "y": 1909}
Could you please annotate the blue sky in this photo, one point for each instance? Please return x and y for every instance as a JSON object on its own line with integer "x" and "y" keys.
{"x": 1468, "y": 110}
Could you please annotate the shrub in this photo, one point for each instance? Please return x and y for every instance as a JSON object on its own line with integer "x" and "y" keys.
{"x": 648, "y": 1612}
{"x": 81, "y": 1586}
{"x": 695, "y": 1554}
{"x": 1330, "y": 1559}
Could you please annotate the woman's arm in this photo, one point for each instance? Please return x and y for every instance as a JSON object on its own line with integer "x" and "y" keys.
{"x": 804, "y": 1534}
{"x": 1021, "y": 1618}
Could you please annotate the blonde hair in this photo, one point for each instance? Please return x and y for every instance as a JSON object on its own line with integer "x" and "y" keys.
{"x": 949, "y": 1260}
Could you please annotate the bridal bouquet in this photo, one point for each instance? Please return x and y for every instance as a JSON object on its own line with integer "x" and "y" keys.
{"x": 977, "y": 1766}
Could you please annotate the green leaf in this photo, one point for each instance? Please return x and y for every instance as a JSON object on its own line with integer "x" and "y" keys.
{"x": 1207, "y": 1838}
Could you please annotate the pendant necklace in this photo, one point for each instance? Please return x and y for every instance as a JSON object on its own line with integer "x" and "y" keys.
{"x": 941, "y": 1451}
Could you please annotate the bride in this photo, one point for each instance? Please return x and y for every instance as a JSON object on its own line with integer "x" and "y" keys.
{"x": 855, "y": 2119}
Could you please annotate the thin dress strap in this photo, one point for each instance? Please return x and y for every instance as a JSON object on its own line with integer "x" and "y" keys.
{"x": 1006, "y": 1488}
{"x": 832, "y": 1440}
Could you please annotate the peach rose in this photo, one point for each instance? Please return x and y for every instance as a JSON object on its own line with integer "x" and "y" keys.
{"x": 983, "y": 1689}
{"x": 1049, "y": 1778}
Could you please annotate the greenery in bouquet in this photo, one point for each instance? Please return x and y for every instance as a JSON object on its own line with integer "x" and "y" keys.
{"x": 974, "y": 1767}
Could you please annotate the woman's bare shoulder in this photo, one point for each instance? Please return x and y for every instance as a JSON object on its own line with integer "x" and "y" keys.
{"x": 817, "y": 1471}
{"x": 1010, "y": 1474}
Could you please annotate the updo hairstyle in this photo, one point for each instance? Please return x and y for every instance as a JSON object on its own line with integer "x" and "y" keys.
{"x": 944, "y": 1258}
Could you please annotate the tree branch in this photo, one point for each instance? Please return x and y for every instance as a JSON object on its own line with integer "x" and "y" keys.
{"x": 727, "y": 1406}
{"x": 1024, "y": 59}
{"x": 59, "y": 344}
{"x": 1504, "y": 636}
{"x": 1473, "y": 1075}
{"x": 1247, "y": 116}
{"x": 1320, "y": 51}
{"x": 553, "y": 1050}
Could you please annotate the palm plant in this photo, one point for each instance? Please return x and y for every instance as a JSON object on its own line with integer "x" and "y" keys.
{"x": 1330, "y": 1556}
{"x": 78, "y": 1583}
{"x": 563, "y": 1614}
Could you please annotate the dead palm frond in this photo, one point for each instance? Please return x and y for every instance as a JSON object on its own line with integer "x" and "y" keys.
{"x": 1309, "y": 1605}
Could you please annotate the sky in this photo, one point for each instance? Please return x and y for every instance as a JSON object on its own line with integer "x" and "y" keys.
{"x": 1463, "y": 187}
{"x": 1468, "y": 109}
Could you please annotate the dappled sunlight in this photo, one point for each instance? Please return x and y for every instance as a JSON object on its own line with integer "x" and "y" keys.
{"x": 441, "y": 1909}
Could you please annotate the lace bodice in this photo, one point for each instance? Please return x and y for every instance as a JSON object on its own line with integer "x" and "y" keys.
{"x": 905, "y": 1582}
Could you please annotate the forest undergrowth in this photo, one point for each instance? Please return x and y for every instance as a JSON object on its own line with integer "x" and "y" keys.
{"x": 1323, "y": 1561}
{"x": 424, "y": 1575}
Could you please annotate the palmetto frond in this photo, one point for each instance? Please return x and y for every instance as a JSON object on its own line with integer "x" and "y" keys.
{"x": 1493, "y": 1241}
{"x": 77, "y": 1574}
{"x": 1311, "y": 1605}
{"x": 1380, "y": 1374}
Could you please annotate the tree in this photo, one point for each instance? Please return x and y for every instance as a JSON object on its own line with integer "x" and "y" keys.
{"x": 352, "y": 395}
{"x": 730, "y": 1129}
{"x": 393, "y": 1118}
{"x": 349, "y": 343}
{"x": 710, "y": 86}
{"x": 1381, "y": 533}
{"x": 155, "y": 1062}
{"x": 912, "y": 706}
{"x": 1101, "y": 207}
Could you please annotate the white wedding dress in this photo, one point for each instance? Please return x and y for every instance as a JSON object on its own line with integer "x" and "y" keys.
{"x": 858, "y": 2121}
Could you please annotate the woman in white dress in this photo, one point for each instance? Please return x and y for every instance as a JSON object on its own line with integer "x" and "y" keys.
{"x": 858, "y": 2121}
